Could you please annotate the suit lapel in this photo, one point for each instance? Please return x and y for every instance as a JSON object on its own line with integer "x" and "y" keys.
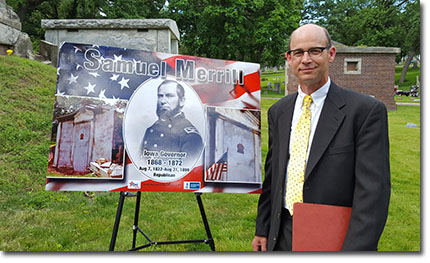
{"x": 330, "y": 120}
{"x": 284, "y": 131}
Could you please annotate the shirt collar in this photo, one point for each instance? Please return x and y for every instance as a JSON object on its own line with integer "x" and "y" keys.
{"x": 318, "y": 96}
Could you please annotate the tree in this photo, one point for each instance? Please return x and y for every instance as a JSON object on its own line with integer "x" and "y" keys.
{"x": 247, "y": 30}
{"x": 390, "y": 23}
{"x": 254, "y": 31}
{"x": 31, "y": 12}
{"x": 128, "y": 9}
{"x": 358, "y": 22}
{"x": 411, "y": 23}
{"x": 341, "y": 18}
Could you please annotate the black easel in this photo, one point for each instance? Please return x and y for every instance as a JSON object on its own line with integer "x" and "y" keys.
{"x": 136, "y": 228}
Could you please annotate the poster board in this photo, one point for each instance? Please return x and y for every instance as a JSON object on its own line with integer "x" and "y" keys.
{"x": 133, "y": 120}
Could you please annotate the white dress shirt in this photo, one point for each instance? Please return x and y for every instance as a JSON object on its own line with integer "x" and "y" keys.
{"x": 318, "y": 99}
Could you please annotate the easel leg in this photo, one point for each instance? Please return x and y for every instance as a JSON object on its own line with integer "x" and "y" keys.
{"x": 136, "y": 218}
{"x": 117, "y": 220}
{"x": 205, "y": 222}
{"x": 136, "y": 228}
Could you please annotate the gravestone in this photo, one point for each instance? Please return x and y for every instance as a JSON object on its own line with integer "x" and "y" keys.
{"x": 411, "y": 125}
{"x": 269, "y": 85}
{"x": 277, "y": 87}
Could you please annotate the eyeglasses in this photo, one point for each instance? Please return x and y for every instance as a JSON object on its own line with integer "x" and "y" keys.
{"x": 313, "y": 52}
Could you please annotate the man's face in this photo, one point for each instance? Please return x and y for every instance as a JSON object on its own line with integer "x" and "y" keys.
{"x": 168, "y": 102}
{"x": 311, "y": 70}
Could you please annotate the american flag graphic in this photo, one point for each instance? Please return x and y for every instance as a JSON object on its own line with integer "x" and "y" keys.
{"x": 215, "y": 172}
{"x": 75, "y": 80}
{"x": 112, "y": 74}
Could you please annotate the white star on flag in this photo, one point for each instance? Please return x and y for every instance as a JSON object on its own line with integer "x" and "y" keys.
{"x": 102, "y": 94}
{"x": 124, "y": 83}
{"x": 59, "y": 93}
{"x": 112, "y": 101}
{"x": 72, "y": 79}
{"x": 90, "y": 88}
{"x": 95, "y": 74}
{"x": 114, "y": 77}
{"x": 117, "y": 58}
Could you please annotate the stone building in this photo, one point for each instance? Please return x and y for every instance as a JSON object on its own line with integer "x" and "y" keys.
{"x": 84, "y": 136}
{"x": 234, "y": 136}
{"x": 369, "y": 70}
{"x": 160, "y": 35}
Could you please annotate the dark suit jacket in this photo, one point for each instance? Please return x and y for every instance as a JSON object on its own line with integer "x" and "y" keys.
{"x": 348, "y": 165}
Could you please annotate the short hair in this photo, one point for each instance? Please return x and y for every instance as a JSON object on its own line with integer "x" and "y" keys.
{"x": 326, "y": 33}
{"x": 179, "y": 88}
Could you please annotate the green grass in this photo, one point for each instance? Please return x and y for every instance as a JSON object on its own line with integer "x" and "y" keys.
{"x": 410, "y": 79}
{"x": 407, "y": 99}
{"x": 32, "y": 219}
{"x": 272, "y": 77}
{"x": 403, "y": 225}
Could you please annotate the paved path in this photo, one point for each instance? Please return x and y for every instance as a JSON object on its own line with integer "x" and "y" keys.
{"x": 408, "y": 103}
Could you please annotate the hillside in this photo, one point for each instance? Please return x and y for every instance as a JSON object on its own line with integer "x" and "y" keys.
{"x": 26, "y": 101}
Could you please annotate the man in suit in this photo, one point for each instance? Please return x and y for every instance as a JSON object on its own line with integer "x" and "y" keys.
{"x": 346, "y": 162}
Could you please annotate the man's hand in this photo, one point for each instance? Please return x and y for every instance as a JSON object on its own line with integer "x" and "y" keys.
{"x": 259, "y": 243}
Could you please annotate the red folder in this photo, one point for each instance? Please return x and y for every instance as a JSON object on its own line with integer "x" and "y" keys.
{"x": 319, "y": 227}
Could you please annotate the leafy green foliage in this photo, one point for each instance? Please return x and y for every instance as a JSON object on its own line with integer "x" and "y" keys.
{"x": 254, "y": 31}
{"x": 127, "y": 9}
{"x": 32, "y": 12}
{"x": 387, "y": 23}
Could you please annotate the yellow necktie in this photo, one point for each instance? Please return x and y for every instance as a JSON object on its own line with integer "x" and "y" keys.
{"x": 297, "y": 165}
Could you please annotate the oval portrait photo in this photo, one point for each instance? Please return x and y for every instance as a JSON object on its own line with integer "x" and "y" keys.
{"x": 164, "y": 129}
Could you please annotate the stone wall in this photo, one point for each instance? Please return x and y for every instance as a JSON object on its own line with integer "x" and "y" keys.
{"x": 48, "y": 51}
{"x": 369, "y": 70}
{"x": 11, "y": 36}
{"x": 160, "y": 35}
